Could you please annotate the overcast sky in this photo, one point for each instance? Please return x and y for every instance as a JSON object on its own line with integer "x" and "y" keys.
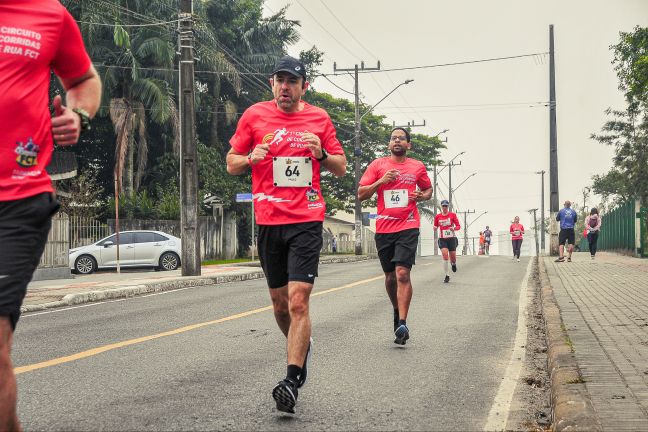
{"x": 495, "y": 111}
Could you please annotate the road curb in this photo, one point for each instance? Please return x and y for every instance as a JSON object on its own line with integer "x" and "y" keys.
{"x": 571, "y": 406}
{"x": 168, "y": 285}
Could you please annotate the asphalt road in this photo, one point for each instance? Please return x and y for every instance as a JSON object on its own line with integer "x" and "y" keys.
{"x": 218, "y": 375}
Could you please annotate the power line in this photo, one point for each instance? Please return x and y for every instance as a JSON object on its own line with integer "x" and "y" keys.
{"x": 129, "y": 25}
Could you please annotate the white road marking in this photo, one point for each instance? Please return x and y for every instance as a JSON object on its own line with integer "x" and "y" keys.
{"x": 499, "y": 411}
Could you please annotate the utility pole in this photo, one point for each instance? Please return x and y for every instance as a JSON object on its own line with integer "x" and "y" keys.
{"x": 553, "y": 144}
{"x": 435, "y": 204}
{"x": 535, "y": 230}
{"x": 465, "y": 245}
{"x": 188, "y": 154}
{"x": 357, "y": 152}
{"x": 450, "y": 165}
{"x": 542, "y": 211}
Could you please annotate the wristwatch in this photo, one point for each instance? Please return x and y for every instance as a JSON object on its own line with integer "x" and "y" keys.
{"x": 324, "y": 156}
{"x": 85, "y": 118}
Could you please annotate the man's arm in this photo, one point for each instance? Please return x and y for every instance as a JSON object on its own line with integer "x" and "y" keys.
{"x": 82, "y": 92}
{"x": 336, "y": 164}
{"x": 366, "y": 192}
{"x": 422, "y": 195}
{"x": 238, "y": 163}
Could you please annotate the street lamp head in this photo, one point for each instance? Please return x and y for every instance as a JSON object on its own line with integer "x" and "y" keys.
{"x": 407, "y": 81}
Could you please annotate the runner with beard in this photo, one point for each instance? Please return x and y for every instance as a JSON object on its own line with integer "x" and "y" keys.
{"x": 448, "y": 223}
{"x": 400, "y": 182}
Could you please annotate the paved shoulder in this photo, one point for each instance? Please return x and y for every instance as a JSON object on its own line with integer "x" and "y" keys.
{"x": 604, "y": 307}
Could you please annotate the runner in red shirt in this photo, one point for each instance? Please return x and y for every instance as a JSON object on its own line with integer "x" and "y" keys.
{"x": 286, "y": 142}
{"x": 36, "y": 37}
{"x": 447, "y": 223}
{"x": 400, "y": 182}
{"x": 517, "y": 233}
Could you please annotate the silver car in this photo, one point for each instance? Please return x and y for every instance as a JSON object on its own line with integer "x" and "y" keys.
{"x": 136, "y": 249}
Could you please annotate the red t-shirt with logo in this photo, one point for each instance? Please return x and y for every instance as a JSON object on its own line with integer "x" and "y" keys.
{"x": 286, "y": 184}
{"x": 36, "y": 36}
{"x": 517, "y": 231}
{"x": 447, "y": 223}
{"x": 396, "y": 212}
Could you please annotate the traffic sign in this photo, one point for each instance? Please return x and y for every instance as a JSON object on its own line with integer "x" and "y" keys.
{"x": 243, "y": 197}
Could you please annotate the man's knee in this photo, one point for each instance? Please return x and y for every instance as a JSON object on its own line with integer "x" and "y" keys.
{"x": 403, "y": 275}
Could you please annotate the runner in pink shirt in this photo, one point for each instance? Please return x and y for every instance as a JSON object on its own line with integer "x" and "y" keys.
{"x": 400, "y": 183}
{"x": 517, "y": 233}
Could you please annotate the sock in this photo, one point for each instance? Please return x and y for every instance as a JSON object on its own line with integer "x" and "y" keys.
{"x": 401, "y": 322}
{"x": 445, "y": 267}
{"x": 293, "y": 372}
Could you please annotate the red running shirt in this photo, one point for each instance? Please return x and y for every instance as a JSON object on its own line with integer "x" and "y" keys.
{"x": 286, "y": 184}
{"x": 447, "y": 223}
{"x": 396, "y": 212}
{"x": 36, "y": 36}
{"x": 517, "y": 231}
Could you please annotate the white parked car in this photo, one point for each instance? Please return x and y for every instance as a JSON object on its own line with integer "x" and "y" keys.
{"x": 136, "y": 249}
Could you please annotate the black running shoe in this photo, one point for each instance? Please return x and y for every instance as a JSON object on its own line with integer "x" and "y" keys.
{"x": 447, "y": 279}
{"x": 302, "y": 376}
{"x": 454, "y": 267}
{"x": 402, "y": 334}
{"x": 285, "y": 394}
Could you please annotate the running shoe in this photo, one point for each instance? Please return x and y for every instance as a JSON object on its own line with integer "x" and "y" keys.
{"x": 454, "y": 267}
{"x": 592, "y": 256}
{"x": 518, "y": 260}
{"x": 446, "y": 280}
{"x": 569, "y": 259}
{"x": 285, "y": 394}
{"x": 560, "y": 260}
{"x": 302, "y": 377}
{"x": 402, "y": 334}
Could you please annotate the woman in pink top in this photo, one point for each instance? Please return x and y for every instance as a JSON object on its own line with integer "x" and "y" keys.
{"x": 517, "y": 232}
{"x": 593, "y": 227}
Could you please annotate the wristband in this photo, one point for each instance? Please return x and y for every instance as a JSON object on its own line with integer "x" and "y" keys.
{"x": 324, "y": 156}
{"x": 85, "y": 118}
{"x": 249, "y": 160}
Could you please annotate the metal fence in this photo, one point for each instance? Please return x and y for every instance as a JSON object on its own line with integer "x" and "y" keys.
{"x": 55, "y": 253}
{"x": 621, "y": 231}
{"x": 84, "y": 231}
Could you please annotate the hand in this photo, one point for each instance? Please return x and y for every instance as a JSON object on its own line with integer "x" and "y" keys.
{"x": 390, "y": 176}
{"x": 417, "y": 196}
{"x": 313, "y": 143}
{"x": 66, "y": 124}
{"x": 259, "y": 153}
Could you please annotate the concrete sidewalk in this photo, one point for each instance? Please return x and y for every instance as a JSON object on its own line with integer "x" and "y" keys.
{"x": 604, "y": 308}
{"x": 105, "y": 285}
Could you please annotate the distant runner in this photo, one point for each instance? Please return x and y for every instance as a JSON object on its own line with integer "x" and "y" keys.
{"x": 400, "y": 182}
{"x": 593, "y": 227}
{"x": 488, "y": 235}
{"x": 286, "y": 142}
{"x": 517, "y": 234}
{"x": 567, "y": 217}
{"x": 447, "y": 223}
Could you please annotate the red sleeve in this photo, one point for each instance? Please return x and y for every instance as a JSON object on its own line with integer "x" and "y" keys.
{"x": 511, "y": 228}
{"x": 436, "y": 221}
{"x": 522, "y": 227}
{"x": 71, "y": 59}
{"x": 456, "y": 222}
{"x": 243, "y": 139}
{"x": 370, "y": 175}
{"x": 329, "y": 140}
{"x": 424, "y": 181}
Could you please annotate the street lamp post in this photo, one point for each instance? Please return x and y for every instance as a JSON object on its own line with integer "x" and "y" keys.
{"x": 357, "y": 153}
{"x": 542, "y": 210}
{"x": 435, "y": 200}
{"x": 450, "y": 165}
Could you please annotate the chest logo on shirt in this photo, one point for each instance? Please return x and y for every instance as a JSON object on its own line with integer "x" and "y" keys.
{"x": 312, "y": 195}
{"x": 275, "y": 137}
{"x": 27, "y": 154}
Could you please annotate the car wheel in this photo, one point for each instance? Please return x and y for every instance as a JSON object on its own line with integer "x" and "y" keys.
{"x": 85, "y": 264}
{"x": 169, "y": 261}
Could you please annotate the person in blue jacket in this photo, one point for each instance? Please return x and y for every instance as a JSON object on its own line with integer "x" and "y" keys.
{"x": 567, "y": 217}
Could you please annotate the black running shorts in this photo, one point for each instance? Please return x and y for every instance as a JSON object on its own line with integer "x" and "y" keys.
{"x": 567, "y": 234}
{"x": 290, "y": 252}
{"x": 448, "y": 243}
{"x": 24, "y": 226}
{"x": 397, "y": 248}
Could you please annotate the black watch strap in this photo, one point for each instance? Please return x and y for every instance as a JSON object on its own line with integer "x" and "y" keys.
{"x": 324, "y": 156}
{"x": 85, "y": 118}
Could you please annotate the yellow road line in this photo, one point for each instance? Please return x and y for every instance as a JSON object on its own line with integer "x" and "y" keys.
{"x": 110, "y": 347}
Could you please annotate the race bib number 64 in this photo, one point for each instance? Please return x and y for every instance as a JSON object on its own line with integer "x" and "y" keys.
{"x": 292, "y": 171}
{"x": 395, "y": 198}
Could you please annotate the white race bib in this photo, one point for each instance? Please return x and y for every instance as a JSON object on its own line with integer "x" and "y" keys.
{"x": 395, "y": 198}
{"x": 516, "y": 233}
{"x": 445, "y": 233}
{"x": 292, "y": 171}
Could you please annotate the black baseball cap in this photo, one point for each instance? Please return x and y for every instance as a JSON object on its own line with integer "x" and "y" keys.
{"x": 290, "y": 65}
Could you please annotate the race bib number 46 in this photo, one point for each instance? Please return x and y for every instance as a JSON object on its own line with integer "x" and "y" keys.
{"x": 292, "y": 171}
{"x": 395, "y": 198}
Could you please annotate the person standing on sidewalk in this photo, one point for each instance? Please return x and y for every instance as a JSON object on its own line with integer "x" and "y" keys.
{"x": 517, "y": 234}
{"x": 447, "y": 223}
{"x": 401, "y": 183}
{"x": 286, "y": 142}
{"x": 567, "y": 217}
{"x": 488, "y": 235}
{"x": 46, "y": 38}
{"x": 593, "y": 227}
